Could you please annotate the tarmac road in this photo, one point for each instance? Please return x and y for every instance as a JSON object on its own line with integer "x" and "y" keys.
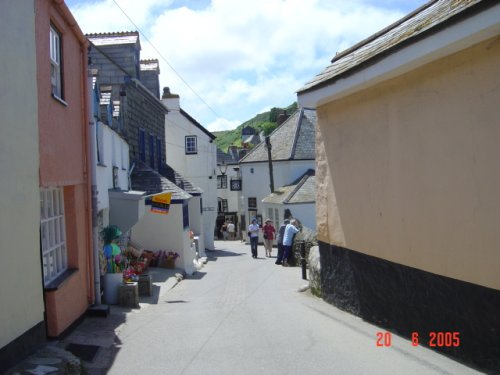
{"x": 240, "y": 315}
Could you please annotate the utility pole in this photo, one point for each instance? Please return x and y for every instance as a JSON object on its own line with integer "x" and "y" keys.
{"x": 270, "y": 161}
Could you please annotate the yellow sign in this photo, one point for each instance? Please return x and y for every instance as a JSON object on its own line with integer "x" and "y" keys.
{"x": 160, "y": 203}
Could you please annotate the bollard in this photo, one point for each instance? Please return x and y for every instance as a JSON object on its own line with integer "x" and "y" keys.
{"x": 303, "y": 259}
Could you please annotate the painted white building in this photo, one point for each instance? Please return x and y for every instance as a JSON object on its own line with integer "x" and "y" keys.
{"x": 292, "y": 154}
{"x": 297, "y": 199}
{"x": 191, "y": 150}
{"x": 228, "y": 190}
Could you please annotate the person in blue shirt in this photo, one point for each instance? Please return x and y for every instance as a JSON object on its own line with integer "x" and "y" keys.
{"x": 281, "y": 234}
{"x": 290, "y": 231}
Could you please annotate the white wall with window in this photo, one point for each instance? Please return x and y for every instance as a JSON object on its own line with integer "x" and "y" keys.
{"x": 191, "y": 142}
{"x": 113, "y": 153}
{"x": 256, "y": 181}
{"x": 53, "y": 233}
{"x": 191, "y": 151}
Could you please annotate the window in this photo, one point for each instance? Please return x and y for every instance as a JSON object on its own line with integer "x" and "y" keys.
{"x": 222, "y": 203}
{"x": 55, "y": 63}
{"x": 191, "y": 144}
{"x": 152, "y": 151}
{"x": 142, "y": 145}
{"x": 52, "y": 233}
{"x": 252, "y": 202}
{"x": 222, "y": 182}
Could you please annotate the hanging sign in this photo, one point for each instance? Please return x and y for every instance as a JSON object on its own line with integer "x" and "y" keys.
{"x": 160, "y": 204}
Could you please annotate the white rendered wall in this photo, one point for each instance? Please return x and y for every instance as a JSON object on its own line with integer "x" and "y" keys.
{"x": 20, "y": 269}
{"x": 232, "y": 197}
{"x": 197, "y": 168}
{"x": 196, "y": 223}
{"x": 114, "y": 151}
{"x": 256, "y": 184}
{"x": 165, "y": 232}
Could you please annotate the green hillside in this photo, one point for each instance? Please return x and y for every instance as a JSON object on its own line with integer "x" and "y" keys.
{"x": 262, "y": 122}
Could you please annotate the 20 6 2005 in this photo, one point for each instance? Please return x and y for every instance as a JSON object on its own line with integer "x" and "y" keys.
{"x": 432, "y": 339}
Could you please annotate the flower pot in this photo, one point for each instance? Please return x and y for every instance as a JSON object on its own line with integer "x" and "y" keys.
{"x": 111, "y": 283}
{"x": 169, "y": 263}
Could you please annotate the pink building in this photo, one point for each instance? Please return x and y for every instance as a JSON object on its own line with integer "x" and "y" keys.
{"x": 65, "y": 195}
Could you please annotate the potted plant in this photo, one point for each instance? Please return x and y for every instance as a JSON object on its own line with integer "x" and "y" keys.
{"x": 116, "y": 263}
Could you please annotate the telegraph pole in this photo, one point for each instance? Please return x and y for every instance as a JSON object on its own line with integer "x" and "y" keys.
{"x": 270, "y": 161}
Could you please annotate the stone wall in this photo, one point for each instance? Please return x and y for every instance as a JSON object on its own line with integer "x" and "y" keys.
{"x": 142, "y": 110}
{"x": 404, "y": 300}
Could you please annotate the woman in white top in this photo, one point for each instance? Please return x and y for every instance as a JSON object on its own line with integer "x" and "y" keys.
{"x": 253, "y": 232}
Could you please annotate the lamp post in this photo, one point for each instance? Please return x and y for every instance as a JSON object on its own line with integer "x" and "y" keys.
{"x": 223, "y": 167}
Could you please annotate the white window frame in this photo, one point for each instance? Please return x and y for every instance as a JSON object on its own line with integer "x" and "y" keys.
{"x": 222, "y": 181}
{"x": 191, "y": 142}
{"x": 53, "y": 233}
{"x": 55, "y": 63}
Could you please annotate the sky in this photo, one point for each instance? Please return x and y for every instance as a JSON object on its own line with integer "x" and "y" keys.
{"x": 232, "y": 59}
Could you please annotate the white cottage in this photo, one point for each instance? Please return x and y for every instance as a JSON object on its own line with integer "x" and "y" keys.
{"x": 295, "y": 200}
{"x": 292, "y": 154}
{"x": 190, "y": 149}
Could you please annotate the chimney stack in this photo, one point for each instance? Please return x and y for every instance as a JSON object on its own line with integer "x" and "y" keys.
{"x": 171, "y": 101}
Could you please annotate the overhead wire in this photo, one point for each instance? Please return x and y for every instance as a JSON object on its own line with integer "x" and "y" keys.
{"x": 166, "y": 61}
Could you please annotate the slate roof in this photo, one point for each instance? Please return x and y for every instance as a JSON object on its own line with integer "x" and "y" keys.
{"x": 303, "y": 190}
{"x": 410, "y": 28}
{"x": 143, "y": 178}
{"x": 173, "y": 176}
{"x": 227, "y": 158}
{"x": 292, "y": 140}
{"x": 253, "y": 139}
{"x": 106, "y": 39}
{"x": 197, "y": 124}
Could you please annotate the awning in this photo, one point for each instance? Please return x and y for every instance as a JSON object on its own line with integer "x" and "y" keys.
{"x": 126, "y": 208}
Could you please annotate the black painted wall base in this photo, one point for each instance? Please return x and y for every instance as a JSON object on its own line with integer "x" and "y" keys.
{"x": 20, "y": 348}
{"x": 405, "y": 300}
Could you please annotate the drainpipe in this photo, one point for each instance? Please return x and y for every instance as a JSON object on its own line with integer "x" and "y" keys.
{"x": 92, "y": 130}
{"x": 129, "y": 173}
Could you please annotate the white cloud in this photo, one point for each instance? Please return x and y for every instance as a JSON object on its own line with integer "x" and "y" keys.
{"x": 240, "y": 56}
{"x": 223, "y": 124}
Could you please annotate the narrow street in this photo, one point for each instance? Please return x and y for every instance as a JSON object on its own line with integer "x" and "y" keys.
{"x": 240, "y": 315}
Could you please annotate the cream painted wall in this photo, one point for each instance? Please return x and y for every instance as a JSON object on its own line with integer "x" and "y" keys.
{"x": 408, "y": 169}
{"x": 162, "y": 232}
{"x": 20, "y": 269}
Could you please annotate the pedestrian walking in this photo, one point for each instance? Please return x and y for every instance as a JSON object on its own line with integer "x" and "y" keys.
{"x": 279, "y": 240}
{"x": 253, "y": 232}
{"x": 269, "y": 232}
{"x": 231, "y": 230}
{"x": 290, "y": 231}
{"x": 224, "y": 231}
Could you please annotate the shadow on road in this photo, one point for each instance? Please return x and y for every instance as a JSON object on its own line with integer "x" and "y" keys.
{"x": 214, "y": 255}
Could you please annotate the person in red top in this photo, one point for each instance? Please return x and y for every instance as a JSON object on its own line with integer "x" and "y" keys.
{"x": 269, "y": 232}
